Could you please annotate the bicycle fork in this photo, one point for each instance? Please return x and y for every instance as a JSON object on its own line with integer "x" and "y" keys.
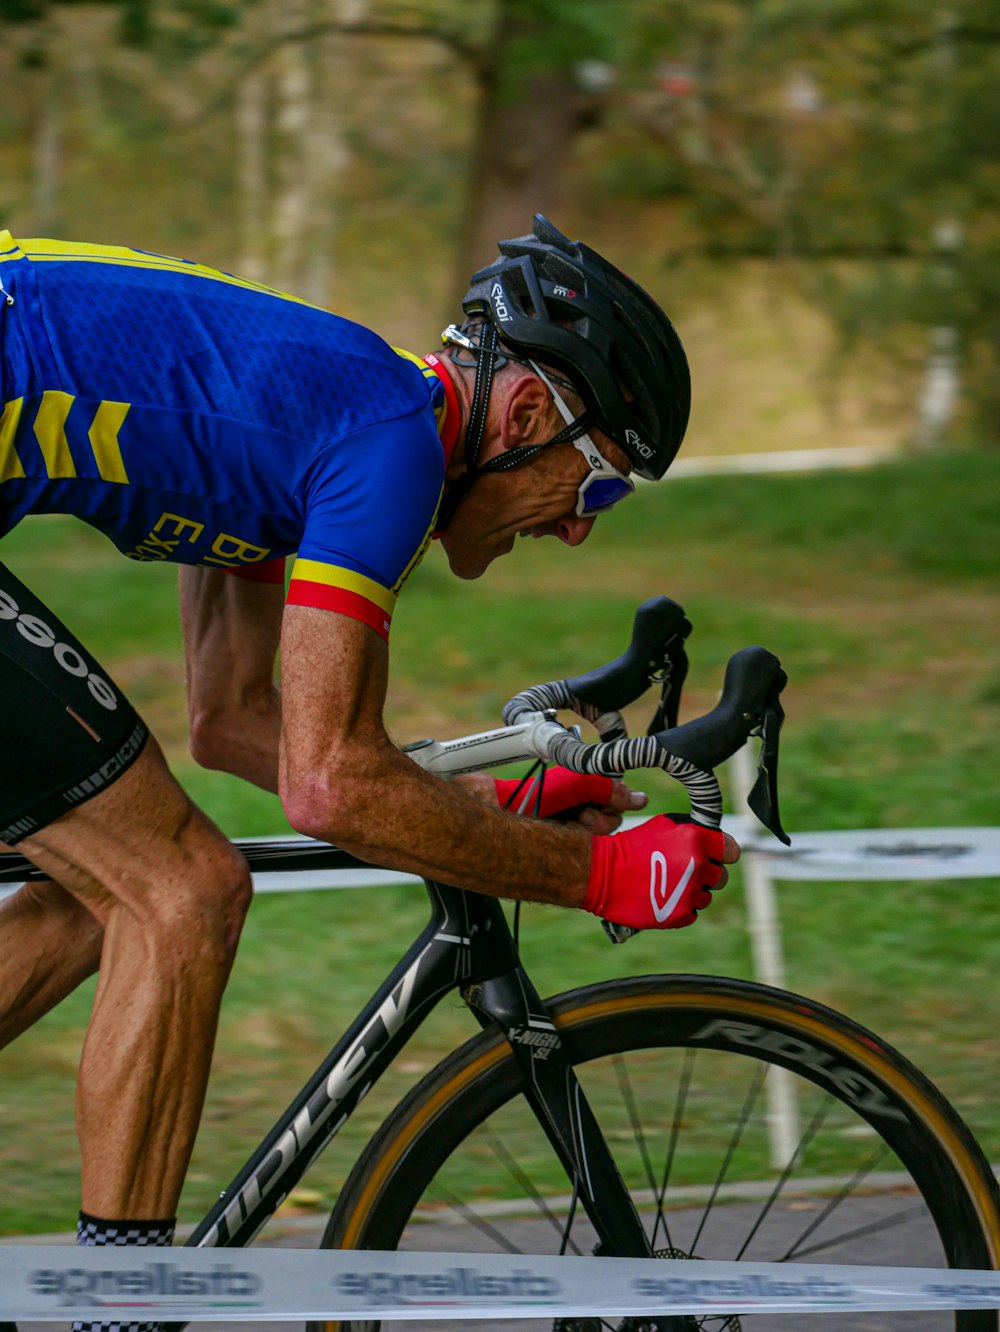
{"x": 554, "y": 1093}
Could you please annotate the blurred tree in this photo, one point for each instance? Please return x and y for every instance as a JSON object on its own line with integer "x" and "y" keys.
{"x": 53, "y": 45}
{"x": 292, "y": 143}
{"x": 855, "y": 143}
{"x": 528, "y": 63}
{"x": 540, "y": 77}
{"x": 39, "y": 54}
{"x": 838, "y": 130}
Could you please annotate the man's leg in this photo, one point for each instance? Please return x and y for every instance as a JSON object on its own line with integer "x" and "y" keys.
{"x": 51, "y": 943}
{"x": 171, "y": 894}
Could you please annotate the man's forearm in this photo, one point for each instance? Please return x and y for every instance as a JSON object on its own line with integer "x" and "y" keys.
{"x": 231, "y": 629}
{"x": 245, "y": 742}
{"x": 394, "y": 814}
{"x": 343, "y": 780}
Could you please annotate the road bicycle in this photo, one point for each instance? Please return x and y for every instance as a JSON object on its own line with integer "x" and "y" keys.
{"x": 628, "y": 1117}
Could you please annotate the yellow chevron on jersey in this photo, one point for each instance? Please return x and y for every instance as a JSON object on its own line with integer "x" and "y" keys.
{"x": 60, "y": 445}
{"x": 103, "y": 435}
{"x": 50, "y": 431}
{"x": 11, "y": 467}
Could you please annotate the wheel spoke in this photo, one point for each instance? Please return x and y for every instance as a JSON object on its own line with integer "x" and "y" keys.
{"x": 862, "y": 1173}
{"x": 815, "y": 1125}
{"x": 873, "y": 1228}
{"x": 752, "y": 1097}
{"x": 468, "y": 1213}
{"x": 680, "y": 1102}
{"x": 638, "y": 1133}
{"x": 632, "y": 1109}
{"x": 566, "y": 1230}
{"x": 515, "y": 1171}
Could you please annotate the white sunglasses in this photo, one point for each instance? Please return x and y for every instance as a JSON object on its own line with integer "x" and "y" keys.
{"x": 603, "y": 486}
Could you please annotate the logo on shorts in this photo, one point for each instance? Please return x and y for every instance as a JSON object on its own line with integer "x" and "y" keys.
{"x": 41, "y": 635}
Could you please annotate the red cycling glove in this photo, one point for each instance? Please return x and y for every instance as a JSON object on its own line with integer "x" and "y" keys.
{"x": 562, "y": 790}
{"x": 654, "y": 877}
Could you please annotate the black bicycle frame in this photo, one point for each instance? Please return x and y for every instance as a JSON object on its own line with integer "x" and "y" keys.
{"x": 467, "y": 945}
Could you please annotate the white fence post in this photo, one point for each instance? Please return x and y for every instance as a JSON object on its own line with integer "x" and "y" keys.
{"x": 768, "y": 967}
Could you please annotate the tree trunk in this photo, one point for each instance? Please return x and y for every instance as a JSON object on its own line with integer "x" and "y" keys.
{"x": 522, "y": 143}
{"x": 292, "y": 180}
{"x": 251, "y": 185}
{"x": 46, "y": 131}
{"x": 48, "y": 145}
{"x": 326, "y": 147}
{"x": 293, "y": 149}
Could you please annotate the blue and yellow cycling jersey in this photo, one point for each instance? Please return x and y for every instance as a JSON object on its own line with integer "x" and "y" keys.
{"x": 196, "y": 417}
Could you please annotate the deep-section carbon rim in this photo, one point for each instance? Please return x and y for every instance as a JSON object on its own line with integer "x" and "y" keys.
{"x": 681, "y": 1072}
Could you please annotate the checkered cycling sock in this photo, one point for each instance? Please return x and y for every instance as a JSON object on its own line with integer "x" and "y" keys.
{"x": 92, "y": 1230}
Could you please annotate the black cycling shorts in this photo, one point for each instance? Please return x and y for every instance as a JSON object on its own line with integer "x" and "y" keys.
{"x": 68, "y": 732}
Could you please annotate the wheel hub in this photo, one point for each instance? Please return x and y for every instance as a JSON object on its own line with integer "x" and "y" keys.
{"x": 653, "y": 1322}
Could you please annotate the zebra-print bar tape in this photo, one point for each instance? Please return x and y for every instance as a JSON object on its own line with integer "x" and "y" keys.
{"x": 618, "y": 756}
{"x": 556, "y": 695}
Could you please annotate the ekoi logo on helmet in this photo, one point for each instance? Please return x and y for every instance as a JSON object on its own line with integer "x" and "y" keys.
{"x": 634, "y": 441}
{"x": 499, "y": 303}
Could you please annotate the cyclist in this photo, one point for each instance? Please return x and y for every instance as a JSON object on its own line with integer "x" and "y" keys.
{"x": 197, "y": 418}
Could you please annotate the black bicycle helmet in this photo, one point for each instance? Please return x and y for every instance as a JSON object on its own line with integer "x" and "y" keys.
{"x": 559, "y": 302}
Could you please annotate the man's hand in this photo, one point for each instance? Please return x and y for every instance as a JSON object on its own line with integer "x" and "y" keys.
{"x": 658, "y": 876}
{"x": 595, "y": 803}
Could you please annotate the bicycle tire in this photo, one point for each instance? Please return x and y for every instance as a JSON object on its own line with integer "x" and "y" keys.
{"x": 867, "y": 1084}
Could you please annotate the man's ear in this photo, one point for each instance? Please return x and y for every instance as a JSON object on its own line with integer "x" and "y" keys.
{"x": 525, "y": 416}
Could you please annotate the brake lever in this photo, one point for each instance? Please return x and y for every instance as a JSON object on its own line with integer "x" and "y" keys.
{"x": 763, "y": 798}
{"x": 674, "y": 673}
{"x": 654, "y": 655}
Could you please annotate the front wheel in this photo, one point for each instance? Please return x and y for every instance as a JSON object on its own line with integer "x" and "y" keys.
{"x": 748, "y": 1124}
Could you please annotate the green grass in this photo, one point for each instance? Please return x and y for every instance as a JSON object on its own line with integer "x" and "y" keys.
{"x": 877, "y": 589}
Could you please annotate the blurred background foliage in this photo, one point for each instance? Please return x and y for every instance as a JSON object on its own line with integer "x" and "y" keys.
{"x": 368, "y": 153}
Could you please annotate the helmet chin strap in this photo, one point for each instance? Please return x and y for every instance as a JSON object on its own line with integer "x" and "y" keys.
{"x": 486, "y": 365}
{"x": 486, "y": 355}
{"x": 485, "y": 358}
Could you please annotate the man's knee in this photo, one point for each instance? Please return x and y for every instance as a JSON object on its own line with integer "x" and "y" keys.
{"x": 141, "y": 851}
{"x": 238, "y": 894}
{"x": 206, "y": 902}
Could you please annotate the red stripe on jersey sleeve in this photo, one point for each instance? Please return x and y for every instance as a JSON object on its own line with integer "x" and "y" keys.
{"x": 302, "y": 592}
{"x": 270, "y": 571}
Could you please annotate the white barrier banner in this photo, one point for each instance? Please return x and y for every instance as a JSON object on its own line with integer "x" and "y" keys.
{"x": 881, "y": 853}
{"x": 52, "y": 1284}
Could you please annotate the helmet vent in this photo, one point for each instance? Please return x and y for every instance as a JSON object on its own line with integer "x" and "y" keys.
{"x": 562, "y": 273}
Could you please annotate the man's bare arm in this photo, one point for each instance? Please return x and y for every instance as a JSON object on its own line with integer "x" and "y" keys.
{"x": 232, "y": 629}
{"x": 231, "y": 633}
{"x": 342, "y": 779}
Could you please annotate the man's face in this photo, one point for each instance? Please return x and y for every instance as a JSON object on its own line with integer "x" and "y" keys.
{"x": 538, "y": 498}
